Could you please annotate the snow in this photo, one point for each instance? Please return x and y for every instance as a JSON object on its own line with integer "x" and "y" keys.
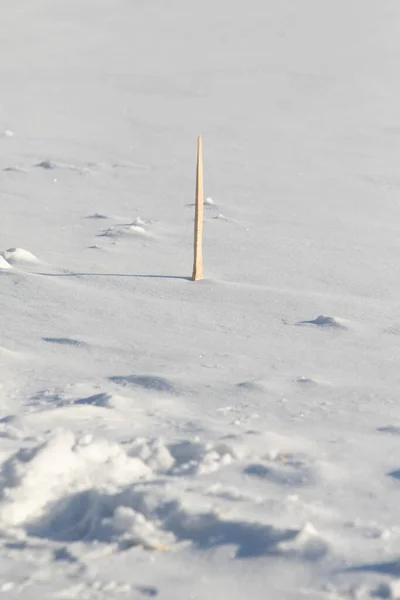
{"x": 18, "y": 255}
{"x": 232, "y": 438}
{"x": 4, "y": 264}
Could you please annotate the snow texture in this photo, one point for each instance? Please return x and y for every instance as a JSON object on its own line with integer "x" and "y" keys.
{"x": 234, "y": 438}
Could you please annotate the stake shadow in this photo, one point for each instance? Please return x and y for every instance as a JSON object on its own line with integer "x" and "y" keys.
{"x": 115, "y": 275}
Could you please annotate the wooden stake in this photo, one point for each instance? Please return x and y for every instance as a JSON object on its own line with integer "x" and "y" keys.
{"x": 198, "y": 218}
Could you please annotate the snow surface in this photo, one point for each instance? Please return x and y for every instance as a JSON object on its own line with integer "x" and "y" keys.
{"x": 233, "y": 438}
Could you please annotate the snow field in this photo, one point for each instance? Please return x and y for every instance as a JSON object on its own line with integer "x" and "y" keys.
{"x": 235, "y": 438}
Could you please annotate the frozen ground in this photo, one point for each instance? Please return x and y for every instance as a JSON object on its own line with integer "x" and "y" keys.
{"x": 234, "y": 438}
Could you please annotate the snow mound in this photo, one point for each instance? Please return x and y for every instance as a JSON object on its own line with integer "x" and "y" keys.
{"x": 35, "y": 478}
{"x": 390, "y": 429}
{"x": 102, "y": 400}
{"x": 155, "y": 518}
{"x": 327, "y": 321}
{"x": 254, "y": 386}
{"x": 138, "y": 222}
{"x": 19, "y": 256}
{"x": 129, "y": 230}
{"x": 15, "y": 169}
{"x": 97, "y": 215}
{"x": 307, "y": 544}
{"x": 46, "y": 164}
{"x": 92, "y": 490}
{"x": 64, "y": 341}
{"x": 110, "y": 232}
{"x": 148, "y": 382}
{"x": 262, "y": 386}
{"x": 304, "y": 380}
{"x": 137, "y": 229}
{"x": 4, "y": 264}
{"x": 184, "y": 457}
{"x": 56, "y": 398}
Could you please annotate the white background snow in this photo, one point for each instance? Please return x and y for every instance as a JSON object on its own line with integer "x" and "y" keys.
{"x": 234, "y": 438}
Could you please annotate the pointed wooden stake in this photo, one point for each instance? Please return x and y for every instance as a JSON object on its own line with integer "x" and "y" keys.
{"x": 198, "y": 218}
